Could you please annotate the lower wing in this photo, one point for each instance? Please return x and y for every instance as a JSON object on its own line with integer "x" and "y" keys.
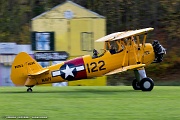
{"x": 130, "y": 67}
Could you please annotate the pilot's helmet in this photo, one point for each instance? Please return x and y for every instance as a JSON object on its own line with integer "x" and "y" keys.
{"x": 94, "y": 50}
{"x": 155, "y": 42}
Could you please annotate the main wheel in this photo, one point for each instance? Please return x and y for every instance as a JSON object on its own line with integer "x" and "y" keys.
{"x": 146, "y": 84}
{"x": 29, "y": 90}
{"x": 135, "y": 85}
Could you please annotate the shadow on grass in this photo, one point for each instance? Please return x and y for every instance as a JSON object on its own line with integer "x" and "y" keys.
{"x": 74, "y": 91}
{"x": 101, "y": 91}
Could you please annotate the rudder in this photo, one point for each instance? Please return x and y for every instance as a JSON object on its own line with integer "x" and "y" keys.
{"x": 23, "y": 66}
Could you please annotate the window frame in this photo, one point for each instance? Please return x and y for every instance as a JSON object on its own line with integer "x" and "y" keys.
{"x": 83, "y": 41}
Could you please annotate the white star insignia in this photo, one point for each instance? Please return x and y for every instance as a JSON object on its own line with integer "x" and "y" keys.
{"x": 68, "y": 71}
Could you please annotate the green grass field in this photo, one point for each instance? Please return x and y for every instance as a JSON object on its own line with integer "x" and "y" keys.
{"x": 91, "y": 103}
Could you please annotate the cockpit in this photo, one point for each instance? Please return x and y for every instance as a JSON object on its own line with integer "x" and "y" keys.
{"x": 113, "y": 47}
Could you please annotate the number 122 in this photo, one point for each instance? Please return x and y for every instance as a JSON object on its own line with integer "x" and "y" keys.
{"x": 94, "y": 66}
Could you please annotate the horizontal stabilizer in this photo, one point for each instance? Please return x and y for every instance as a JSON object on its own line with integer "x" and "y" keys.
{"x": 131, "y": 67}
{"x": 39, "y": 72}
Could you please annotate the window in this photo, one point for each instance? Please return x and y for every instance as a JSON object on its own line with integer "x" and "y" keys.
{"x": 87, "y": 41}
{"x": 42, "y": 41}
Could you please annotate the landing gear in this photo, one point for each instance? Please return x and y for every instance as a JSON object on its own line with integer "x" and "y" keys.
{"x": 135, "y": 85}
{"x": 142, "y": 82}
{"x": 146, "y": 84}
{"x": 29, "y": 90}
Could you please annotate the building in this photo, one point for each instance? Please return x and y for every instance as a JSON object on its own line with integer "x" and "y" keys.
{"x": 8, "y": 51}
{"x": 72, "y": 28}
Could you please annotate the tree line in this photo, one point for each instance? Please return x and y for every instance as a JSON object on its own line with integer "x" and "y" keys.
{"x": 163, "y": 15}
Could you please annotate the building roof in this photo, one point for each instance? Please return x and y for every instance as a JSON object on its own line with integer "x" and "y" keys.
{"x": 72, "y": 3}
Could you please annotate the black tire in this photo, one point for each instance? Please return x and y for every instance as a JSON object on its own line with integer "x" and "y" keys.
{"x": 29, "y": 90}
{"x": 146, "y": 84}
{"x": 135, "y": 85}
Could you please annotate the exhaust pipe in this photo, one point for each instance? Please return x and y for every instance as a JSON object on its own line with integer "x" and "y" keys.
{"x": 159, "y": 51}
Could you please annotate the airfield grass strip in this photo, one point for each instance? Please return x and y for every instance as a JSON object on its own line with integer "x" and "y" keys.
{"x": 91, "y": 103}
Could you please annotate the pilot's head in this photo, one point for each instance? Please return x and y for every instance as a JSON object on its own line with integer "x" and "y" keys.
{"x": 111, "y": 46}
{"x": 94, "y": 51}
{"x": 155, "y": 42}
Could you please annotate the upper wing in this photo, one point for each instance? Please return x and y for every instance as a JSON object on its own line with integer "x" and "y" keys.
{"x": 125, "y": 69}
{"x": 121, "y": 35}
{"x": 109, "y": 37}
{"x": 133, "y": 33}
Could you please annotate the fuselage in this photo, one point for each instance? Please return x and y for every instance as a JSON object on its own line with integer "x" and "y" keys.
{"x": 88, "y": 67}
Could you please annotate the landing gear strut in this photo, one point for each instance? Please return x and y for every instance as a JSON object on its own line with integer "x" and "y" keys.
{"x": 29, "y": 89}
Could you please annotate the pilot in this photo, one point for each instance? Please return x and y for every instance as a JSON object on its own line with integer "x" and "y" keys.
{"x": 95, "y": 53}
{"x": 112, "y": 50}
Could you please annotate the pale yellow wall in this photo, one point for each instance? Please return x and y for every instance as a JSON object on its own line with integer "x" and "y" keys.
{"x": 59, "y": 26}
{"x": 100, "y": 31}
{"x": 70, "y": 40}
{"x": 85, "y": 25}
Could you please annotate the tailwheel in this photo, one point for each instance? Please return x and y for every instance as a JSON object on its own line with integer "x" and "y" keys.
{"x": 135, "y": 85}
{"x": 29, "y": 90}
{"x": 146, "y": 84}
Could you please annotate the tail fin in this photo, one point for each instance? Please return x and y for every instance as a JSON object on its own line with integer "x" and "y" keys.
{"x": 23, "y": 66}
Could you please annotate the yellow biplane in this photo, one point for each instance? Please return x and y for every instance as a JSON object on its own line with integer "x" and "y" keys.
{"x": 122, "y": 51}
